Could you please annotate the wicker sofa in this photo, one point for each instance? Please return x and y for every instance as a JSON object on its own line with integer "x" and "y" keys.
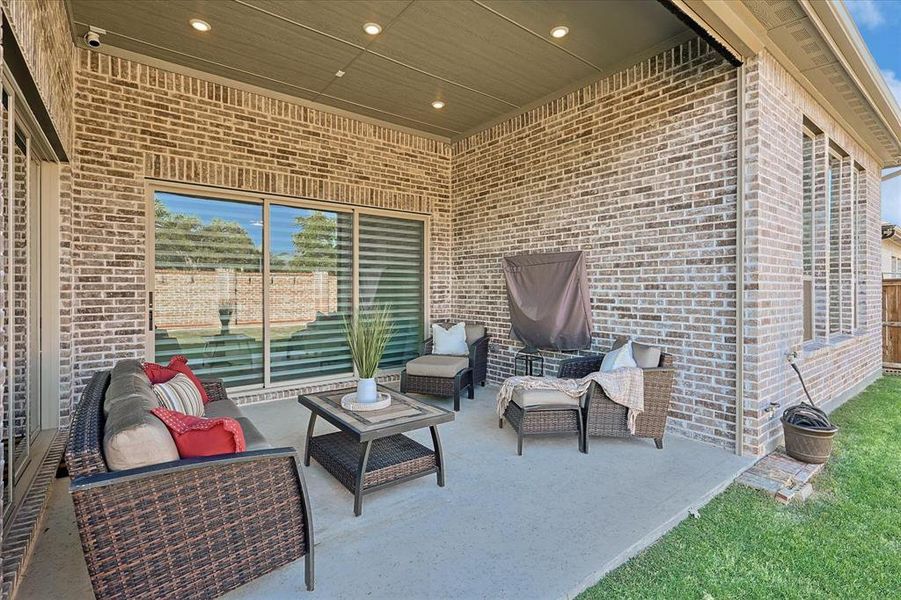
{"x": 191, "y": 528}
{"x": 605, "y": 418}
{"x": 440, "y": 375}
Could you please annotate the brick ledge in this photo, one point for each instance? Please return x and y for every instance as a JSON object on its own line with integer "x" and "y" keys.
{"x": 18, "y": 542}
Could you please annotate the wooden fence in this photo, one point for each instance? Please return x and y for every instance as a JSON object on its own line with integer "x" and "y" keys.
{"x": 891, "y": 323}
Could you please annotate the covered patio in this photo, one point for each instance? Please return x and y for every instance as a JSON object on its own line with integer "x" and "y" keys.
{"x": 219, "y": 188}
{"x": 544, "y": 525}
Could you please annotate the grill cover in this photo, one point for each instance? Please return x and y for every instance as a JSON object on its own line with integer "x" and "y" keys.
{"x": 549, "y": 303}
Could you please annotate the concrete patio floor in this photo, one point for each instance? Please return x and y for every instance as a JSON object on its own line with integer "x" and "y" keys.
{"x": 543, "y": 525}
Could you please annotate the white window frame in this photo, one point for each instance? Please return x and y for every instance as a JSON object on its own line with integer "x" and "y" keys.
{"x": 153, "y": 186}
{"x": 808, "y": 311}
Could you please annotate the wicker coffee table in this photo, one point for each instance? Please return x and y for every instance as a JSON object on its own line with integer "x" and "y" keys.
{"x": 370, "y": 452}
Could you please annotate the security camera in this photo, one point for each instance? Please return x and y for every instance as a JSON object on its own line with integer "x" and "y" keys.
{"x": 92, "y": 37}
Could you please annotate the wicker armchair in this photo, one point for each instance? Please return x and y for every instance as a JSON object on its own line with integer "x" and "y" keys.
{"x": 475, "y": 370}
{"x": 192, "y": 528}
{"x": 604, "y": 417}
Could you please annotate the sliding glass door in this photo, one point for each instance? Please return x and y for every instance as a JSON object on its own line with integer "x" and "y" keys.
{"x": 310, "y": 292}
{"x": 208, "y": 285}
{"x": 22, "y": 310}
{"x": 256, "y": 291}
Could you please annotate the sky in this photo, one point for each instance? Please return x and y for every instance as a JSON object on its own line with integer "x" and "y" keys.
{"x": 248, "y": 215}
{"x": 879, "y": 22}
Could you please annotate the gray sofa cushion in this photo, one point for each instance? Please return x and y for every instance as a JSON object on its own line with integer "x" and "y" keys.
{"x": 132, "y": 436}
{"x": 126, "y": 379}
{"x": 253, "y": 439}
{"x": 222, "y": 408}
{"x": 646, "y": 357}
{"x": 437, "y": 365}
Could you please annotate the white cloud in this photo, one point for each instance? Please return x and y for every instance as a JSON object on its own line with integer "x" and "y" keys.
{"x": 867, "y": 13}
{"x": 894, "y": 84}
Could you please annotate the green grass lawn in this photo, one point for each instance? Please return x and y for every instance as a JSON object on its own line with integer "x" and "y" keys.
{"x": 844, "y": 542}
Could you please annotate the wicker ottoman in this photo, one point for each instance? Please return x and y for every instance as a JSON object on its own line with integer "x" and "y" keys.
{"x": 543, "y": 412}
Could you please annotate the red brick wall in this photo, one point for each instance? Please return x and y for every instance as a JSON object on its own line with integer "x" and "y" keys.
{"x": 638, "y": 171}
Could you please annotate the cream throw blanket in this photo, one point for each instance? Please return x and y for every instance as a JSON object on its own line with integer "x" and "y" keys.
{"x": 625, "y": 386}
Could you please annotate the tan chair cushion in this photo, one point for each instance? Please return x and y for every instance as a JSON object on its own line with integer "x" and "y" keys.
{"x": 437, "y": 365}
{"x": 646, "y": 357}
{"x": 536, "y": 398}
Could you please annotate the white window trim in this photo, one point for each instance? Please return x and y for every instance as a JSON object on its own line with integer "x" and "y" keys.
{"x": 152, "y": 186}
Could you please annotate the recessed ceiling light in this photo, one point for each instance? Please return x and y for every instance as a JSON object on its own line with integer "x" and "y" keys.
{"x": 200, "y": 25}
{"x": 372, "y": 28}
{"x": 559, "y": 31}
{"x": 438, "y": 104}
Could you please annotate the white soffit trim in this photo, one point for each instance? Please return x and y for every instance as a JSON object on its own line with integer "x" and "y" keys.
{"x": 740, "y": 29}
{"x": 719, "y": 18}
{"x": 839, "y": 29}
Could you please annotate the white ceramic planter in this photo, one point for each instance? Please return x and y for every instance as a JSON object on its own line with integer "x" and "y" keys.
{"x": 366, "y": 390}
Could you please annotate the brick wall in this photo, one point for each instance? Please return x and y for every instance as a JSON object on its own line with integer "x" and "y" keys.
{"x": 4, "y": 248}
{"x": 42, "y": 29}
{"x": 192, "y": 298}
{"x": 639, "y": 172}
{"x": 832, "y": 365}
{"x": 135, "y": 122}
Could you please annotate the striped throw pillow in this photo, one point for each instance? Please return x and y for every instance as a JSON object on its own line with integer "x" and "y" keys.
{"x": 179, "y": 394}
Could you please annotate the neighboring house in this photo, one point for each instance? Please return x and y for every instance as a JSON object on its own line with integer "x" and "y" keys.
{"x": 717, "y": 162}
{"x": 891, "y": 251}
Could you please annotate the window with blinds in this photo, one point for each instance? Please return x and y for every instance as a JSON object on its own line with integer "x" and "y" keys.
{"x": 392, "y": 269}
{"x": 256, "y": 293}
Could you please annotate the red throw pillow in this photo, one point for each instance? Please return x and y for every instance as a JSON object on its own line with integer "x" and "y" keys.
{"x": 177, "y": 364}
{"x": 197, "y": 436}
{"x": 158, "y": 373}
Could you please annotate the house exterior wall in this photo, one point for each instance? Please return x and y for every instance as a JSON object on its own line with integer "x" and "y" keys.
{"x": 836, "y": 365}
{"x": 891, "y": 257}
{"x": 4, "y": 247}
{"x": 135, "y": 122}
{"x": 639, "y": 172}
{"x": 41, "y": 29}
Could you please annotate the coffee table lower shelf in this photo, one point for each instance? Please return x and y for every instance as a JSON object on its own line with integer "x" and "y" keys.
{"x": 379, "y": 463}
